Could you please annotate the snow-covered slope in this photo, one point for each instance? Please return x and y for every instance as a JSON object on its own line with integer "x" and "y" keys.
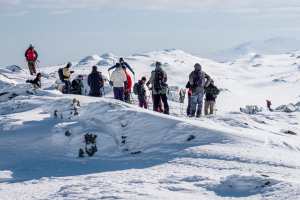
{"x": 275, "y": 45}
{"x": 146, "y": 155}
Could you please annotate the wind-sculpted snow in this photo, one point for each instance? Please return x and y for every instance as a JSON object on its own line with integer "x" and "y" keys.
{"x": 147, "y": 155}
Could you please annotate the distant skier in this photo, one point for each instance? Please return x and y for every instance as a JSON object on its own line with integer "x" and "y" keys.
{"x": 198, "y": 79}
{"x": 96, "y": 82}
{"x": 36, "y": 83}
{"x": 269, "y": 104}
{"x": 140, "y": 90}
{"x": 158, "y": 81}
{"x": 118, "y": 80}
{"x": 211, "y": 93}
{"x": 31, "y": 57}
{"x": 77, "y": 85}
{"x": 189, "y": 89}
{"x": 66, "y": 72}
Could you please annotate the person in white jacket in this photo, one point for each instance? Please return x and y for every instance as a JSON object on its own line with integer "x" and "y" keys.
{"x": 118, "y": 80}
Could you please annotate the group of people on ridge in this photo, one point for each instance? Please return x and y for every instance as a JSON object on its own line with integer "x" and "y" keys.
{"x": 198, "y": 85}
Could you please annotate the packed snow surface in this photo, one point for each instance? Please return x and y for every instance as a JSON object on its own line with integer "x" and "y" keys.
{"x": 147, "y": 155}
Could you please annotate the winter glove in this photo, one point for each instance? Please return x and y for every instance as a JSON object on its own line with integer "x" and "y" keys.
{"x": 111, "y": 83}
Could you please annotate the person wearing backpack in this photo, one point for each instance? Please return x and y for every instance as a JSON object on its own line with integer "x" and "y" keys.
{"x": 198, "y": 80}
{"x": 140, "y": 90}
{"x": 211, "y": 93}
{"x": 159, "y": 86}
{"x": 96, "y": 82}
{"x": 77, "y": 85}
{"x": 31, "y": 57}
{"x": 118, "y": 80}
{"x": 66, "y": 75}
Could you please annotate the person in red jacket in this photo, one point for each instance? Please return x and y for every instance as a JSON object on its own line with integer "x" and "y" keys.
{"x": 128, "y": 86}
{"x": 31, "y": 57}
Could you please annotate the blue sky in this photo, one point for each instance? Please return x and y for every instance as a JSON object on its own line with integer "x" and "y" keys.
{"x": 64, "y": 30}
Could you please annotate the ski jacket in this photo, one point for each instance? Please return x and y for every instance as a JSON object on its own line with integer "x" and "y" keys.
{"x": 158, "y": 81}
{"x": 118, "y": 77}
{"x": 77, "y": 86}
{"x": 141, "y": 90}
{"x": 129, "y": 82}
{"x": 31, "y": 55}
{"x": 198, "y": 80}
{"x": 211, "y": 92}
{"x": 95, "y": 81}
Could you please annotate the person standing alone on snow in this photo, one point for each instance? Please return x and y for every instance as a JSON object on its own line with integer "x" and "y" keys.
{"x": 118, "y": 80}
{"x": 211, "y": 93}
{"x": 96, "y": 83}
{"x": 140, "y": 90}
{"x": 158, "y": 81}
{"x": 31, "y": 57}
{"x": 198, "y": 79}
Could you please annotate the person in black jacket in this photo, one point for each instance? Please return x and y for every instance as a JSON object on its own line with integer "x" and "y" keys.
{"x": 211, "y": 93}
{"x": 189, "y": 88}
{"x": 77, "y": 85}
{"x": 141, "y": 92}
{"x": 36, "y": 82}
{"x": 96, "y": 83}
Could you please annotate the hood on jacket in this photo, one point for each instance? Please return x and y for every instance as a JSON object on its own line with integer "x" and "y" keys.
{"x": 158, "y": 66}
{"x": 198, "y": 67}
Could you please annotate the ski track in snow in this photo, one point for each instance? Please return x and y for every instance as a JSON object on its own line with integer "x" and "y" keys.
{"x": 231, "y": 156}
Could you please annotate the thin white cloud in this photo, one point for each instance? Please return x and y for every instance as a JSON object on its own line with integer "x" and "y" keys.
{"x": 243, "y": 6}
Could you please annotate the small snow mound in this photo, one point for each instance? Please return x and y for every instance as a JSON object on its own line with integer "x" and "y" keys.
{"x": 287, "y": 108}
{"x": 242, "y": 186}
{"x": 108, "y": 56}
{"x": 89, "y": 59}
{"x": 5, "y": 175}
{"x": 14, "y": 68}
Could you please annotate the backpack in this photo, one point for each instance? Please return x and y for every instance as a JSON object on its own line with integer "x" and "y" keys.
{"x": 136, "y": 88}
{"x": 76, "y": 87}
{"x": 158, "y": 79}
{"x": 61, "y": 74}
{"x": 30, "y": 55}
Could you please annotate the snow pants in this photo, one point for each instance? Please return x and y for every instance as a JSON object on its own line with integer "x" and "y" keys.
{"x": 119, "y": 93}
{"x": 196, "y": 104}
{"x": 156, "y": 101}
{"x": 143, "y": 102}
{"x": 209, "y": 107}
{"x": 31, "y": 66}
{"x": 127, "y": 97}
{"x": 189, "y": 106}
